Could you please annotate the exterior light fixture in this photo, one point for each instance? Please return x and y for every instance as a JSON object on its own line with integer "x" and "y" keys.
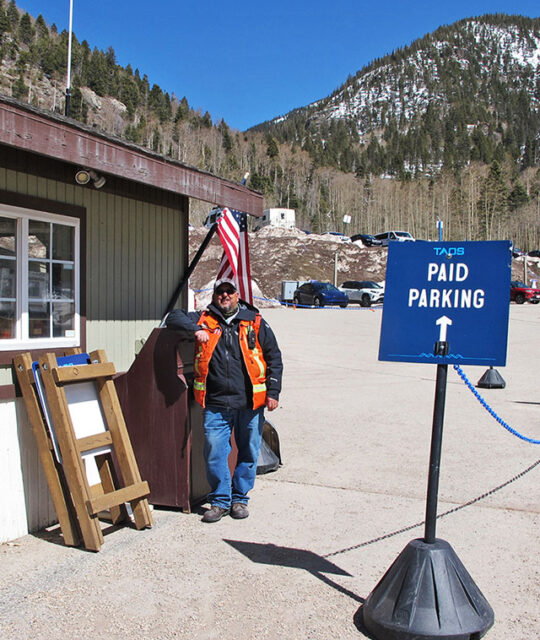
{"x": 84, "y": 176}
{"x": 99, "y": 181}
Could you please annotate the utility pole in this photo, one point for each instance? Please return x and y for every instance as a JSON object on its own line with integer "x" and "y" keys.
{"x": 67, "y": 109}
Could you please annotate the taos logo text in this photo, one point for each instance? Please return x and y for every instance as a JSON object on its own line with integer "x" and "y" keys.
{"x": 451, "y": 251}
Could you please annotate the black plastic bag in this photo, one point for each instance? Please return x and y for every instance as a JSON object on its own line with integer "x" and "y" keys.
{"x": 269, "y": 454}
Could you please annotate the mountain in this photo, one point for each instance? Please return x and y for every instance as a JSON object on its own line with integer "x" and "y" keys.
{"x": 446, "y": 128}
{"x": 466, "y": 92}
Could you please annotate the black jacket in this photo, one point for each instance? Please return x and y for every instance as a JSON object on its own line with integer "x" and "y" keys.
{"x": 228, "y": 384}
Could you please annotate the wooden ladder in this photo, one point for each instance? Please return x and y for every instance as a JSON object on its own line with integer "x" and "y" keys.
{"x": 78, "y": 503}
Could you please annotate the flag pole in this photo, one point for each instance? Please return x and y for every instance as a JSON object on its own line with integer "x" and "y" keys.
{"x": 194, "y": 262}
{"x": 190, "y": 269}
{"x": 67, "y": 109}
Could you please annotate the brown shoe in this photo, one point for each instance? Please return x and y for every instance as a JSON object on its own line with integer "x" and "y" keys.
{"x": 214, "y": 514}
{"x": 239, "y": 510}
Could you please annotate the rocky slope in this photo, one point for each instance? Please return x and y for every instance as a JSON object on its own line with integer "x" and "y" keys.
{"x": 291, "y": 254}
{"x": 288, "y": 254}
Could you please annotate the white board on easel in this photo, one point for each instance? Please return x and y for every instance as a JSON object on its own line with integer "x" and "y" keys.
{"x": 85, "y": 412}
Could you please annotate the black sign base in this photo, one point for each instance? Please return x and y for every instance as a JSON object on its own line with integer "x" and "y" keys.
{"x": 491, "y": 379}
{"x": 427, "y": 593}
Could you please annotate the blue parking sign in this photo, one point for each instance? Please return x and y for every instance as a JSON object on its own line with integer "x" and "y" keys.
{"x": 454, "y": 292}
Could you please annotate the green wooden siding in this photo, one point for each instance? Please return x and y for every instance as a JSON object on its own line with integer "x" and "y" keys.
{"x": 135, "y": 256}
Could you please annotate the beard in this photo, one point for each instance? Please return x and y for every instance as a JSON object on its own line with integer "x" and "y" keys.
{"x": 227, "y": 308}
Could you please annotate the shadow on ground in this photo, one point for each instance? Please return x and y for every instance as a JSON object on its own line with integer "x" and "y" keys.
{"x": 296, "y": 558}
{"x": 54, "y": 535}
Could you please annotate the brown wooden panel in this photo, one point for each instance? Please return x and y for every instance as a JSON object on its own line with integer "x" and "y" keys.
{"x": 115, "y": 498}
{"x": 72, "y": 462}
{"x": 109, "y": 482}
{"x": 156, "y": 406}
{"x": 53, "y": 136}
{"x": 6, "y": 357}
{"x": 123, "y": 449}
{"x": 84, "y": 372}
{"x": 54, "y": 474}
{"x": 94, "y": 441}
{"x": 55, "y": 169}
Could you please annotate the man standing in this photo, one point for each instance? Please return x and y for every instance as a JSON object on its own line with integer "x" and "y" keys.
{"x": 238, "y": 370}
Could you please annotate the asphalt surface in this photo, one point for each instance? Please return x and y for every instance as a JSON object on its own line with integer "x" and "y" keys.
{"x": 355, "y": 438}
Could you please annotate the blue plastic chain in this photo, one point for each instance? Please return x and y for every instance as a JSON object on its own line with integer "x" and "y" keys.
{"x": 481, "y": 400}
{"x": 302, "y": 306}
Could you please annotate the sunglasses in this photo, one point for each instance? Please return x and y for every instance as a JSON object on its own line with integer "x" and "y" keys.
{"x": 228, "y": 290}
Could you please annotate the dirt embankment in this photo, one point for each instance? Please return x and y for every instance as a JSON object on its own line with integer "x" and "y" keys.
{"x": 291, "y": 254}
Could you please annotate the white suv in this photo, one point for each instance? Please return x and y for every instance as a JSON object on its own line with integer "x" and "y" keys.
{"x": 400, "y": 236}
{"x": 365, "y": 292}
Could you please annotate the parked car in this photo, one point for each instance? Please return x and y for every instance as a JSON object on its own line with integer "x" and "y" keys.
{"x": 338, "y": 234}
{"x": 320, "y": 294}
{"x": 534, "y": 253}
{"x": 399, "y": 236}
{"x": 366, "y": 239}
{"x": 365, "y": 292}
{"x": 520, "y": 292}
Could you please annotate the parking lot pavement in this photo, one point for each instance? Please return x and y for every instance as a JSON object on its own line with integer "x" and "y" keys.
{"x": 355, "y": 438}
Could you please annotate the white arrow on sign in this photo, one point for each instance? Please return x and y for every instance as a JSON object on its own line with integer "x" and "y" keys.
{"x": 444, "y": 321}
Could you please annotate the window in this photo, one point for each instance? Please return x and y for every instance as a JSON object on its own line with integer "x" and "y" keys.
{"x": 39, "y": 279}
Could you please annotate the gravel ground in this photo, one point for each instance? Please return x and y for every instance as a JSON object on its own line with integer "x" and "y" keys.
{"x": 355, "y": 436}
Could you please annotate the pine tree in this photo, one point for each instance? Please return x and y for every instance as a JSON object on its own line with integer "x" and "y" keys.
{"x": 19, "y": 90}
{"x": 182, "y": 111}
{"x": 206, "y": 120}
{"x": 518, "y": 196}
{"x": 156, "y": 140}
{"x": 13, "y": 16}
{"x": 78, "y": 108}
{"x": 41, "y": 27}
{"x": 97, "y": 73}
{"x": 80, "y": 63}
{"x": 129, "y": 94}
{"x": 272, "y": 149}
{"x": 26, "y": 30}
{"x": 226, "y": 138}
{"x": 493, "y": 201}
{"x": 113, "y": 88}
{"x": 4, "y": 22}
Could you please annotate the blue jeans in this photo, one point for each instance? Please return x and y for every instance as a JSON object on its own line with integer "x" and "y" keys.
{"x": 218, "y": 427}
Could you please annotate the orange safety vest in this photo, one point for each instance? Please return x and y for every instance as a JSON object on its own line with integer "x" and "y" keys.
{"x": 253, "y": 358}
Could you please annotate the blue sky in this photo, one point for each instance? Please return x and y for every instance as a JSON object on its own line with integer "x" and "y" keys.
{"x": 250, "y": 62}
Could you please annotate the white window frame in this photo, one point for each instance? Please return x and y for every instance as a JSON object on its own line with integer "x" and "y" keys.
{"x": 22, "y": 340}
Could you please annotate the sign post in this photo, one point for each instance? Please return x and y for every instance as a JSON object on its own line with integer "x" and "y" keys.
{"x": 444, "y": 303}
{"x": 440, "y": 228}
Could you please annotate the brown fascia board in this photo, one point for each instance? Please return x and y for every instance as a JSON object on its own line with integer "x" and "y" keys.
{"x": 55, "y": 136}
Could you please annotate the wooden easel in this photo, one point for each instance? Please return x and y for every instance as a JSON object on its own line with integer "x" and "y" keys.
{"x": 77, "y": 503}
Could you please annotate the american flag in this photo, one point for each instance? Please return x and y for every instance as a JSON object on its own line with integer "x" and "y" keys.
{"x": 232, "y": 231}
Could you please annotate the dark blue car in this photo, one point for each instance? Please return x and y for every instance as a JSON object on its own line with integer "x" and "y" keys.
{"x": 319, "y": 294}
{"x": 366, "y": 239}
